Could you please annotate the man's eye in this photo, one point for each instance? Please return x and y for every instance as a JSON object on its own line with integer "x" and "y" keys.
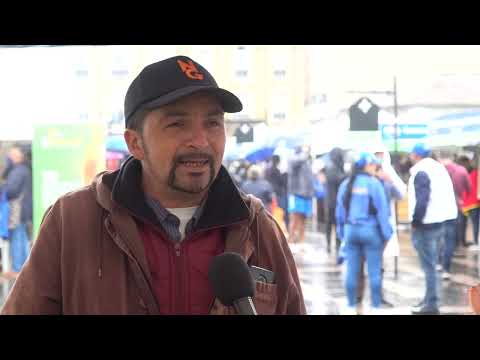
{"x": 174, "y": 124}
{"x": 215, "y": 122}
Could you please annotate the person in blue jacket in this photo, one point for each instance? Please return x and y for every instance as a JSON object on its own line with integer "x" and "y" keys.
{"x": 363, "y": 226}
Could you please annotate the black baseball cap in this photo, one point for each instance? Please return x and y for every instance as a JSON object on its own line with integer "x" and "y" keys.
{"x": 168, "y": 80}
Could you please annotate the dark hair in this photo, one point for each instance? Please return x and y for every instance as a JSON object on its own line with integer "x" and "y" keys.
{"x": 275, "y": 159}
{"x": 465, "y": 162}
{"x": 137, "y": 121}
{"x": 347, "y": 197}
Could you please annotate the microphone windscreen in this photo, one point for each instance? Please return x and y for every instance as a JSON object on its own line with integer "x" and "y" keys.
{"x": 230, "y": 278}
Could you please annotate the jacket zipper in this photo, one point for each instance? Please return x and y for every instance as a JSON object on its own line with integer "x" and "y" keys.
{"x": 180, "y": 285}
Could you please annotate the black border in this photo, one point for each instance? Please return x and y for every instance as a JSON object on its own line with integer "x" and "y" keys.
{"x": 255, "y": 23}
{"x": 238, "y": 23}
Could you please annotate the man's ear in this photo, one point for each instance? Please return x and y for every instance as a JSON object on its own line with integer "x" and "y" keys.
{"x": 135, "y": 143}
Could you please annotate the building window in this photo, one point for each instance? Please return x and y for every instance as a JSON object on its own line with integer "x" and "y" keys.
{"x": 80, "y": 61}
{"x": 317, "y": 99}
{"x": 279, "y": 60}
{"x": 76, "y": 59}
{"x": 242, "y": 57}
{"x": 119, "y": 72}
{"x": 81, "y": 73}
{"x": 241, "y": 73}
{"x": 120, "y": 61}
{"x": 279, "y": 107}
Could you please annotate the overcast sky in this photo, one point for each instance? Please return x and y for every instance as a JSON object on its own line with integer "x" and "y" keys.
{"x": 346, "y": 66}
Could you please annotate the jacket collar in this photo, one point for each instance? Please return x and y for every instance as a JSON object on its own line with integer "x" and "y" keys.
{"x": 224, "y": 204}
{"x": 419, "y": 165}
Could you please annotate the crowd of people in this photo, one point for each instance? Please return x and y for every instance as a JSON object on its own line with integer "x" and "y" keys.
{"x": 356, "y": 205}
{"x": 292, "y": 189}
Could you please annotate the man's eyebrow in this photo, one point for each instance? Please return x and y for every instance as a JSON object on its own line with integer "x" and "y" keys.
{"x": 175, "y": 113}
{"x": 216, "y": 112}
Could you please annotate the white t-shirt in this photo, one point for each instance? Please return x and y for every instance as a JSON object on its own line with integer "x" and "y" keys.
{"x": 184, "y": 215}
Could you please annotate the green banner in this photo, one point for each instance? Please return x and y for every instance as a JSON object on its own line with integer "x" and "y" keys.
{"x": 65, "y": 157}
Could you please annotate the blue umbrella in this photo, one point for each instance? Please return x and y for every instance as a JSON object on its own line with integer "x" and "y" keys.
{"x": 261, "y": 154}
{"x": 116, "y": 143}
{"x": 290, "y": 141}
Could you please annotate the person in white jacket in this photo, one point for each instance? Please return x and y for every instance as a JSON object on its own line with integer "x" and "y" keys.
{"x": 431, "y": 202}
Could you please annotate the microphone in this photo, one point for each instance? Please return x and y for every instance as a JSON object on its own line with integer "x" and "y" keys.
{"x": 232, "y": 282}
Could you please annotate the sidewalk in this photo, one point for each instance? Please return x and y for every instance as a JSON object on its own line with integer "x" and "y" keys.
{"x": 324, "y": 292}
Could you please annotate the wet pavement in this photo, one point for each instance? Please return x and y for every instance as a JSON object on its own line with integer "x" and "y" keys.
{"x": 323, "y": 281}
{"x": 324, "y": 292}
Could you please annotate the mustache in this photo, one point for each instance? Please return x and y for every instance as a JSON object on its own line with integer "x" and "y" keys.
{"x": 193, "y": 156}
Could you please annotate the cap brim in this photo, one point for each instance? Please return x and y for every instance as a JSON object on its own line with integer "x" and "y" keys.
{"x": 229, "y": 102}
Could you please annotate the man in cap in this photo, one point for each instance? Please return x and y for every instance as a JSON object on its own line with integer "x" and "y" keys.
{"x": 431, "y": 202}
{"x": 140, "y": 240}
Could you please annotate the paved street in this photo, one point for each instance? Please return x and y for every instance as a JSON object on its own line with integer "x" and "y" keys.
{"x": 324, "y": 292}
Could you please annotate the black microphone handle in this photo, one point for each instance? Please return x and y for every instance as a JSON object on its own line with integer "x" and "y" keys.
{"x": 244, "y": 306}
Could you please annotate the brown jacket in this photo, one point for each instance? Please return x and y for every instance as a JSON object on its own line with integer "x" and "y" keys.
{"x": 89, "y": 258}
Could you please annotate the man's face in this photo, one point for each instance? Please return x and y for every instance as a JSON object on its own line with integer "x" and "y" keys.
{"x": 182, "y": 144}
{"x": 413, "y": 158}
{"x": 371, "y": 168}
{"x": 16, "y": 155}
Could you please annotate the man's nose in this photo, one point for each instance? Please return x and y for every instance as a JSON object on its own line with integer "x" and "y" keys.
{"x": 198, "y": 138}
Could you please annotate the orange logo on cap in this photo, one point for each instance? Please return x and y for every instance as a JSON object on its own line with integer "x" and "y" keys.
{"x": 190, "y": 70}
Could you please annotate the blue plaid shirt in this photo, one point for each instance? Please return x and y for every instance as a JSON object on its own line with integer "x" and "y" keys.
{"x": 170, "y": 223}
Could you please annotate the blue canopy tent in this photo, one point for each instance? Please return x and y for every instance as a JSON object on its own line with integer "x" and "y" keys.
{"x": 459, "y": 129}
{"x": 116, "y": 143}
